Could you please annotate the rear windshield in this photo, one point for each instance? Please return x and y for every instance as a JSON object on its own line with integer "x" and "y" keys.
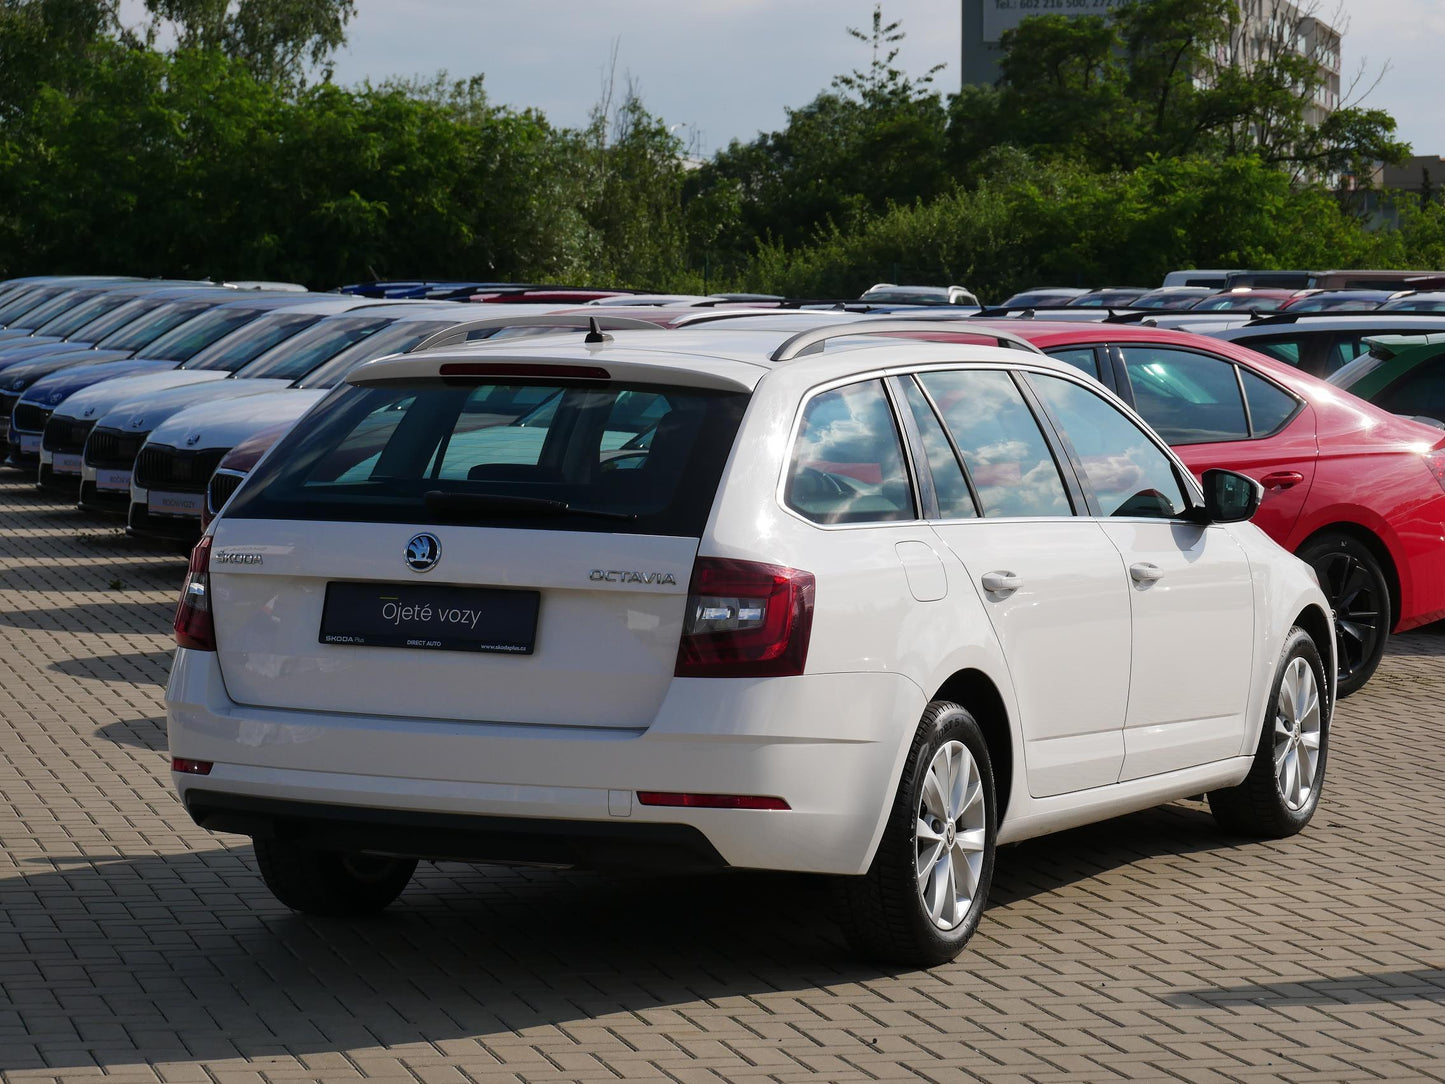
{"x": 629, "y": 459}
{"x": 396, "y": 339}
{"x": 297, "y": 356}
{"x": 246, "y": 345}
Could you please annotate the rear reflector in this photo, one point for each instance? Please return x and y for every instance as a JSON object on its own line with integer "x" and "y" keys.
{"x": 187, "y": 766}
{"x": 510, "y": 369}
{"x": 710, "y": 801}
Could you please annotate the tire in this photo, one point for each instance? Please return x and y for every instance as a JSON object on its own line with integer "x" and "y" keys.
{"x": 330, "y": 882}
{"x": 1282, "y": 790}
{"x": 884, "y": 913}
{"x": 1359, "y": 595}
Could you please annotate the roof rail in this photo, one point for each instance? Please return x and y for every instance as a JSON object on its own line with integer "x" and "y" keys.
{"x": 460, "y": 333}
{"x": 812, "y": 340}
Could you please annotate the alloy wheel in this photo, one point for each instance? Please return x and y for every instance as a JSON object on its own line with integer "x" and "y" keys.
{"x": 1354, "y": 597}
{"x": 1297, "y": 734}
{"x": 951, "y": 835}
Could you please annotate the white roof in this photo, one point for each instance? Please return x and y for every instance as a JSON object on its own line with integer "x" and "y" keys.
{"x": 736, "y": 357}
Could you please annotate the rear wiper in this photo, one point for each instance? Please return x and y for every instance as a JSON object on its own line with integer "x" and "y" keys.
{"x": 437, "y": 500}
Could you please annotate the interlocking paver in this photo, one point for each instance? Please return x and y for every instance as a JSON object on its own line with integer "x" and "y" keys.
{"x": 136, "y": 947}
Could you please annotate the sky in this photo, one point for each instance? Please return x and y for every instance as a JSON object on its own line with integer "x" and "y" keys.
{"x": 728, "y": 69}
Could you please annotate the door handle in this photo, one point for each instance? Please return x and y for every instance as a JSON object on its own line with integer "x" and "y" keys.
{"x": 1001, "y": 583}
{"x": 1282, "y": 479}
{"x": 1144, "y": 572}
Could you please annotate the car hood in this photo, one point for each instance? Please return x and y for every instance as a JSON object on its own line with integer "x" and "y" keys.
{"x": 100, "y": 399}
{"x": 22, "y": 375}
{"x": 19, "y": 349}
{"x": 72, "y": 378}
{"x": 226, "y": 423}
{"x": 143, "y": 412}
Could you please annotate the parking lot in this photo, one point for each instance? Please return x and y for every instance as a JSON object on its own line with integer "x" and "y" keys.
{"x": 137, "y": 947}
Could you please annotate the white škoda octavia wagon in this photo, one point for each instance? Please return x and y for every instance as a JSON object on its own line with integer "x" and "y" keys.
{"x": 837, "y": 603}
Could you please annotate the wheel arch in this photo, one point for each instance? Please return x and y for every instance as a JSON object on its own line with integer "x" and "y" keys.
{"x": 1317, "y": 624}
{"x": 1377, "y": 546}
{"x": 974, "y": 690}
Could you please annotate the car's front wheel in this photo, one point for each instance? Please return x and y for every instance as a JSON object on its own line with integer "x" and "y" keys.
{"x": 331, "y": 883}
{"x": 1282, "y": 790}
{"x": 922, "y": 898}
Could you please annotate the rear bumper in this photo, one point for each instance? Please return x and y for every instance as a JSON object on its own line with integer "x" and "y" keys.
{"x": 831, "y": 745}
{"x": 457, "y": 836}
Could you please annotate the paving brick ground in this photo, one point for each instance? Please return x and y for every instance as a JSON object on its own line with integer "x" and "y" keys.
{"x": 137, "y": 947}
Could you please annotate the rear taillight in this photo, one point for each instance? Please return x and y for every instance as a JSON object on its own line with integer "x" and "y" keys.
{"x": 745, "y": 619}
{"x": 193, "y": 625}
{"x": 1435, "y": 464}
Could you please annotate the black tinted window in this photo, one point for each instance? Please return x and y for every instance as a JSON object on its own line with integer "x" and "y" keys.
{"x": 150, "y": 324}
{"x": 1420, "y": 391}
{"x": 245, "y": 345}
{"x": 297, "y": 356}
{"x": 189, "y": 338}
{"x": 847, "y": 464}
{"x": 78, "y": 316}
{"x": 541, "y": 456}
{"x": 1269, "y": 407}
{"x": 1188, "y": 398}
{"x": 396, "y": 339}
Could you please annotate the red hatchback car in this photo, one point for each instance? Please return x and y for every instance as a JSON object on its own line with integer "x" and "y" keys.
{"x": 1357, "y": 492}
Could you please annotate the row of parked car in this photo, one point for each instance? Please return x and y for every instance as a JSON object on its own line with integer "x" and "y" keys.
{"x": 860, "y": 589}
{"x": 1256, "y": 291}
{"x": 153, "y": 400}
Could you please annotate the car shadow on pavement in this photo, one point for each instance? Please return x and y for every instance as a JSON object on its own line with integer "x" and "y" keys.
{"x": 1424, "y": 984}
{"x": 149, "y": 667}
{"x": 186, "y": 957}
{"x": 139, "y": 733}
{"x": 1051, "y": 862}
{"x": 183, "y": 958}
{"x": 152, "y": 617}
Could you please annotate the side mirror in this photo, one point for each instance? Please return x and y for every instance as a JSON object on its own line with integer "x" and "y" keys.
{"x": 1229, "y": 497}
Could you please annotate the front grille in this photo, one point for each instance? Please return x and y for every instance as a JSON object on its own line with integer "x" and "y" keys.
{"x": 172, "y": 469}
{"x": 110, "y": 449}
{"x": 31, "y": 418}
{"x": 66, "y": 435}
{"x": 223, "y": 484}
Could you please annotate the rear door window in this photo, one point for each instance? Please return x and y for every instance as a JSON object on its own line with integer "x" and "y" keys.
{"x": 1007, "y": 456}
{"x": 847, "y": 464}
{"x": 527, "y": 454}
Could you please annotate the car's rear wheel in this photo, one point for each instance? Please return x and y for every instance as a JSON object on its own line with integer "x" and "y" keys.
{"x": 922, "y": 898}
{"x": 1282, "y": 790}
{"x": 331, "y": 882}
{"x": 1359, "y": 595}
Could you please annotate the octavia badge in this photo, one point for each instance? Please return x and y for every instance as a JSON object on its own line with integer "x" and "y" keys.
{"x": 423, "y": 552}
